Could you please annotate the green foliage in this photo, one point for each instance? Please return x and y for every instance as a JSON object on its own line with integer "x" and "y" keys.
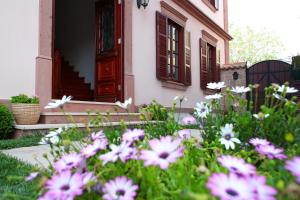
{"x": 253, "y": 46}
{"x": 296, "y": 62}
{"x": 22, "y": 98}
{"x": 6, "y": 122}
{"x": 13, "y": 185}
{"x": 159, "y": 112}
{"x": 25, "y": 141}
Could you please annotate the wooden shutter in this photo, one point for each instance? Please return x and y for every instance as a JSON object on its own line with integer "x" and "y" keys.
{"x": 161, "y": 46}
{"x": 188, "y": 70}
{"x": 203, "y": 64}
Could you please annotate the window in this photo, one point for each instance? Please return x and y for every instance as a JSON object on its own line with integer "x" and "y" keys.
{"x": 209, "y": 60}
{"x": 173, "y": 51}
{"x": 212, "y": 4}
{"x": 171, "y": 55}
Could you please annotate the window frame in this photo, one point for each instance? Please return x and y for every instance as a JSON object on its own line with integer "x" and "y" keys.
{"x": 212, "y": 4}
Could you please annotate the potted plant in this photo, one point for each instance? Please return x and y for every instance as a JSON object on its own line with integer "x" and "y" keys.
{"x": 25, "y": 109}
{"x": 296, "y": 68}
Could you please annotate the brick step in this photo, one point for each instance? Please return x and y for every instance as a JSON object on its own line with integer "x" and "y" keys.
{"x": 92, "y": 106}
{"x": 82, "y": 117}
{"x": 23, "y": 130}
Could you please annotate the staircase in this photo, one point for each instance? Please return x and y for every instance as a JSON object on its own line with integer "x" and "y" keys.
{"x": 67, "y": 81}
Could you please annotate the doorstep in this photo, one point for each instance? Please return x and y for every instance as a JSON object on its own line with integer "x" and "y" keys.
{"x": 24, "y": 130}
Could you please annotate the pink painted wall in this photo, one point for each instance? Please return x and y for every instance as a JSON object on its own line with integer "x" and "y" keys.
{"x": 19, "y": 46}
{"x": 147, "y": 87}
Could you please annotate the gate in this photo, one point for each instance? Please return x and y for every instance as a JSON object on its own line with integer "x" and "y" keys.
{"x": 267, "y": 72}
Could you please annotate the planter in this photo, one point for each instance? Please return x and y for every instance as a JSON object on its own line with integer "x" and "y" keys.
{"x": 26, "y": 114}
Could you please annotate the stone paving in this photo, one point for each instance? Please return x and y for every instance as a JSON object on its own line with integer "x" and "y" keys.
{"x": 32, "y": 155}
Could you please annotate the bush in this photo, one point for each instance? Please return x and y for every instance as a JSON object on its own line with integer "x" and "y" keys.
{"x": 6, "y": 122}
{"x": 22, "y": 98}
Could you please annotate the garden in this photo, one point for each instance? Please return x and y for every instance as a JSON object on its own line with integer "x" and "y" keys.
{"x": 229, "y": 148}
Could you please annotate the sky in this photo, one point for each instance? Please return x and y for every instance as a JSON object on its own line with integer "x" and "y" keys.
{"x": 281, "y": 17}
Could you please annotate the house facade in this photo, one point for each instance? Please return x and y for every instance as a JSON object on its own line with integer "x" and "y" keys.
{"x": 110, "y": 50}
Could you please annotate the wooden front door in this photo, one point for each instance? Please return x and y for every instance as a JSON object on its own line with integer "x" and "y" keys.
{"x": 109, "y": 51}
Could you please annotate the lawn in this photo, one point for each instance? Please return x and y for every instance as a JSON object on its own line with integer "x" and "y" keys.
{"x": 12, "y": 183}
{"x": 26, "y": 141}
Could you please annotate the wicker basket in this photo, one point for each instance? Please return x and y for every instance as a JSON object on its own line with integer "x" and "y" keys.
{"x": 26, "y": 114}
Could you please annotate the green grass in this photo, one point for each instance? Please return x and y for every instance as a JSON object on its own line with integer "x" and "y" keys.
{"x": 20, "y": 142}
{"x": 12, "y": 183}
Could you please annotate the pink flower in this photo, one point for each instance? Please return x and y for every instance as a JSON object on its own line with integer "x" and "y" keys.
{"x": 271, "y": 152}
{"x": 163, "y": 152}
{"x": 133, "y": 135}
{"x": 230, "y": 187}
{"x": 237, "y": 166}
{"x": 98, "y": 136}
{"x": 294, "y": 167}
{"x": 123, "y": 152}
{"x": 68, "y": 162}
{"x": 261, "y": 190}
{"x": 119, "y": 189}
{"x": 184, "y": 134}
{"x": 32, "y": 176}
{"x": 64, "y": 186}
{"x": 94, "y": 148}
{"x": 259, "y": 142}
{"x": 189, "y": 120}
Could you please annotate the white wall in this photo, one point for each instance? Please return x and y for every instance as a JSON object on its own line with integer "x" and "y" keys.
{"x": 75, "y": 35}
{"x": 147, "y": 87}
{"x": 18, "y": 46}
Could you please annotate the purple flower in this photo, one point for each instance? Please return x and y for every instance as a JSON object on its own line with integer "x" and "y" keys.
{"x": 294, "y": 167}
{"x": 259, "y": 142}
{"x": 94, "y": 148}
{"x": 98, "y": 136}
{"x": 123, "y": 152}
{"x": 163, "y": 152}
{"x": 237, "y": 166}
{"x": 88, "y": 177}
{"x": 119, "y": 189}
{"x": 68, "y": 162}
{"x": 189, "y": 120}
{"x": 184, "y": 134}
{"x": 230, "y": 187}
{"x": 271, "y": 152}
{"x": 133, "y": 135}
{"x": 32, "y": 176}
{"x": 261, "y": 190}
{"x": 64, "y": 186}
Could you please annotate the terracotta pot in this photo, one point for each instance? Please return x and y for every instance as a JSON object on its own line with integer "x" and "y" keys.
{"x": 26, "y": 114}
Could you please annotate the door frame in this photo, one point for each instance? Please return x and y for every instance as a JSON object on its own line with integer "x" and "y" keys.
{"x": 44, "y": 58}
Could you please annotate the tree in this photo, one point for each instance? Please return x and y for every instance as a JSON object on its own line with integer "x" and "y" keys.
{"x": 253, "y": 46}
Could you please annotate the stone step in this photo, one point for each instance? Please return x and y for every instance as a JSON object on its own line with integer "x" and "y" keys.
{"x": 92, "y": 106}
{"x": 83, "y": 117}
{"x": 24, "y": 130}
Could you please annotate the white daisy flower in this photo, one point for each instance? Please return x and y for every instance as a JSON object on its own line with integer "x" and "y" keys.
{"x": 125, "y": 104}
{"x": 202, "y": 109}
{"x": 288, "y": 90}
{"x": 58, "y": 103}
{"x": 215, "y": 96}
{"x": 216, "y": 86}
{"x": 261, "y": 116}
{"x": 180, "y": 98}
{"x": 279, "y": 97}
{"x": 240, "y": 89}
{"x": 52, "y": 137}
{"x": 228, "y": 137}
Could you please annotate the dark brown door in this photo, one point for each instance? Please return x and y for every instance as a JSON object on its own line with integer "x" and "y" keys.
{"x": 109, "y": 51}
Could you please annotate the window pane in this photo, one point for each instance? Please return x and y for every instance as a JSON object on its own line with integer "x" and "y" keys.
{"x": 175, "y": 73}
{"x": 107, "y": 28}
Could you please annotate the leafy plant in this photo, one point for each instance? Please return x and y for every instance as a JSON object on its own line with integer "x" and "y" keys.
{"x": 22, "y": 98}
{"x": 6, "y": 122}
{"x": 159, "y": 112}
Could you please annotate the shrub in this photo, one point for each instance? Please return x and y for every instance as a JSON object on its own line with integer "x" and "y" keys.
{"x": 6, "y": 122}
{"x": 22, "y": 98}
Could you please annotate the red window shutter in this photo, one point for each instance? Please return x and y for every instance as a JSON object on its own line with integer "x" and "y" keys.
{"x": 203, "y": 64}
{"x": 161, "y": 46}
{"x": 218, "y": 67}
{"x": 188, "y": 70}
